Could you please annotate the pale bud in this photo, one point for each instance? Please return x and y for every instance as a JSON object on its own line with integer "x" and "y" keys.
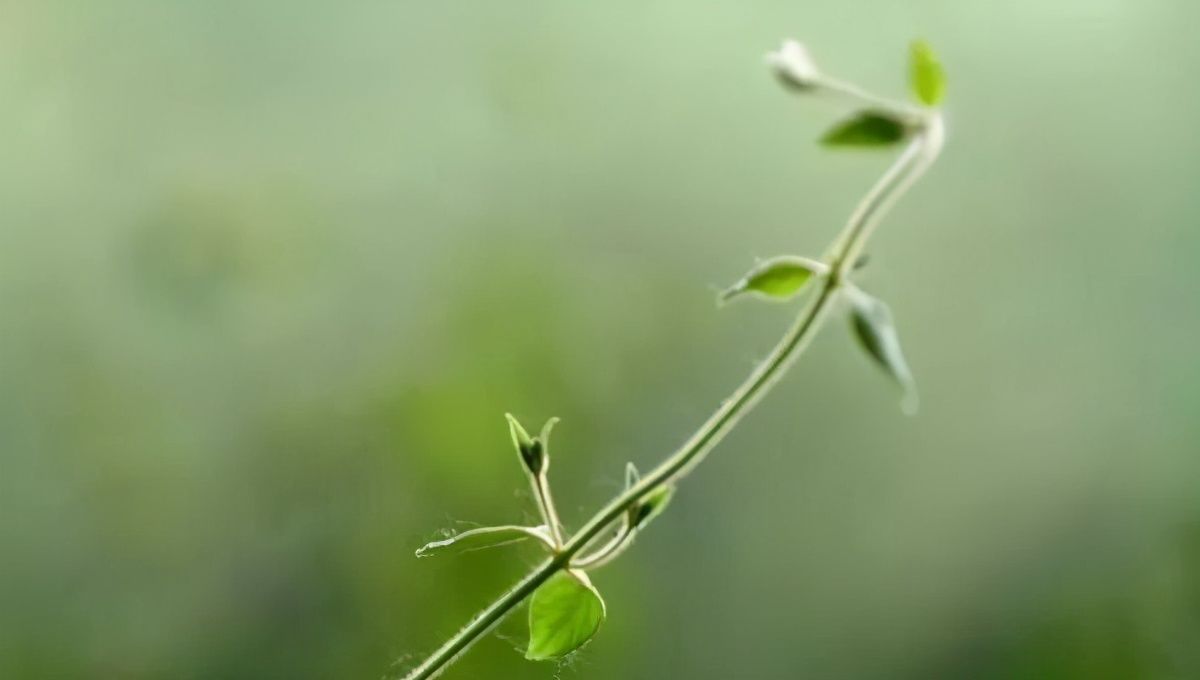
{"x": 793, "y": 65}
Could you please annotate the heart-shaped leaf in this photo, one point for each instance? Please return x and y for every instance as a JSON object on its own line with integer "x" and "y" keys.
{"x": 872, "y": 323}
{"x": 484, "y": 537}
{"x": 925, "y": 74}
{"x": 868, "y": 129}
{"x": 564, "y": 613}
{"x": 779, "y": 278}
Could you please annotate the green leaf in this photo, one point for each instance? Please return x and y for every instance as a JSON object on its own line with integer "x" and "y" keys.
{"x": 653, "y": 506}
{"x": 867, "y": 129}
{"x": 872, "y": 323}
{"x": 531, "y": 451}
{"x": 564, "y": 613}
{"x": 779, "y": 278}
{"x": 925, "y": 74}
{"x": 485, "y": 537}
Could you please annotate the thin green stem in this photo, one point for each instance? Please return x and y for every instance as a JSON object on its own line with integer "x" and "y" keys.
{"x": 842, "y": 88}
{"x": 546, "y": 505}
{"x": 616, "y": 545}
{"x": 915, "y": 159}
{"x": 904, "y": 172}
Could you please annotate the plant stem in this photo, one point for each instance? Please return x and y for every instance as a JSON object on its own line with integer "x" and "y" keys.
{"x": 905, "y": 171}
{"x": 912, "y": 162}
{"x": 852, "y": 91}
{"x": 621, "y": 540}
{"x": 546, "y": 505}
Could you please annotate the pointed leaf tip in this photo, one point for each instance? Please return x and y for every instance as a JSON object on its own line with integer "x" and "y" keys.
{"x": 868, "y": 129}
{"x": 520, "y": 437}
{"x": 544, "y": 437}
{"x": 872, "y": 323}
{"x": 564, "y": 613}
{"x": 779, "y": 278}
{"x": 925, "y": 74}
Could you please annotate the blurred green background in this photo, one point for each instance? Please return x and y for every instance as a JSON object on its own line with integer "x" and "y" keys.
{"x": 271, "y": 273}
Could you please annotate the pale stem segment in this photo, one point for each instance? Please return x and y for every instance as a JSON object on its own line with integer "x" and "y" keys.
{"x": 847, "y": 90}
{"x": 612, "y": 549}
{"x": 545, "y": 501}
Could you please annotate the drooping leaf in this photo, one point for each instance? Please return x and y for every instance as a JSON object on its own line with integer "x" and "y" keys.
{"x": 484, "y": 537}
{"x": 872, "y": 322}
{"x": 564, "y": 613}
{"x": 925, "y": 74}
{"x": 652, "y": 506}
{"x": 531, "y": 450}
{"x": 779, "y": 278}
{"x": 867, "y": 129}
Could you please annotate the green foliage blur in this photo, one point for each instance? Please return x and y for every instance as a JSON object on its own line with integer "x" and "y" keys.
{"x": 271, "y": 274}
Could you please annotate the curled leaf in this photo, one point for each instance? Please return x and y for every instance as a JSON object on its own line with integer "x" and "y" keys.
{"x": 484, "y": 537}
{"x": 779, "y": 278}
{"x": 544, "y": 436}
{"x": 564, "y": 613}
{"x": 925, "y": 74}
{"x": 871, "y": 320}
{"x": 531, "y": 451}
{"x": 869, "y": 128}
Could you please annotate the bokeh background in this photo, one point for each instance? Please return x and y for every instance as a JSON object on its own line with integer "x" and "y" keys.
{"x": 271, "y": 273}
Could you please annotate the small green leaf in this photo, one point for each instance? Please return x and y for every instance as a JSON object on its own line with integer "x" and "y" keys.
{"x": 779, "y": 278}
{"x": 485, "y": 537}
{"x": 564, "y": 613}
{"x": 867, "y": 129}
{"x": 872, "y": 323}
{"x": 531, "y": 451}
{"x": 654, "y": 504}
{"x": 925, "y": 74}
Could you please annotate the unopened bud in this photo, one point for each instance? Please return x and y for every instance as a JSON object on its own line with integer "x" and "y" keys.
{"x": 793, "y": 66}
{"x": 530, "y": 450}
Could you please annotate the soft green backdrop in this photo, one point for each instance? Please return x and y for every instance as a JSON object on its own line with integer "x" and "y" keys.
{"x": 271, "y": 273}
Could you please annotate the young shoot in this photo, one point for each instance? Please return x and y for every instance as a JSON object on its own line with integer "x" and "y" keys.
{"x": 565, "y": 608}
